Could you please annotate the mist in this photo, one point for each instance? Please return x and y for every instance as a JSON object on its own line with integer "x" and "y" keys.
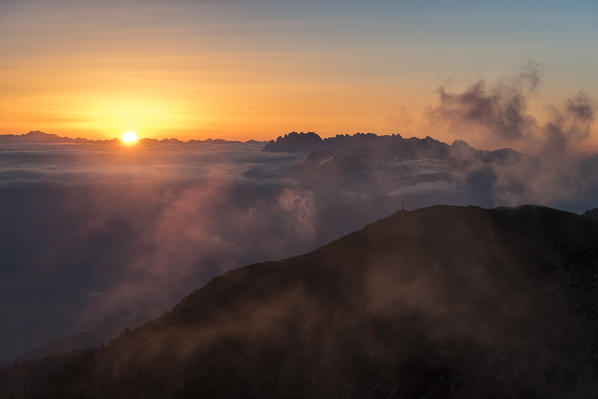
{"x": 101, "y": 237}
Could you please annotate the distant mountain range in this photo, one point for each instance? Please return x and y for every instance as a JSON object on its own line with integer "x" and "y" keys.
{"x": 306, "y": 143}
{"x": 357, "y": 144}
{"x": 441, "y": 302}
{"x": 394, "y": 144}
{"x": 37, "y": 137}
{"x": 393, "y": 166}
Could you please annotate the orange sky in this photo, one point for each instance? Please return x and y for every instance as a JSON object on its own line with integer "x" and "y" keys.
{"x": 241, "y": 70}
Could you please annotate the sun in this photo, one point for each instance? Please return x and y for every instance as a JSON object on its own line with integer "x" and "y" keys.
{"x": 129, "y": 137}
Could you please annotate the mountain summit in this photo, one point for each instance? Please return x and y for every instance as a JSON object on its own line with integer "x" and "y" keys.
{"x": 441, "y": 302}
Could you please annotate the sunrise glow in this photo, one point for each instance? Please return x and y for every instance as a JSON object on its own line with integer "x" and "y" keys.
{"x": 194, "y": 70}
{"x": 129, "y": 137}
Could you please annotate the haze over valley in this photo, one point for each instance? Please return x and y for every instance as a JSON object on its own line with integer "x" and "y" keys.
{"x": 107, "y": 223}
{"x": 298, "y": 199}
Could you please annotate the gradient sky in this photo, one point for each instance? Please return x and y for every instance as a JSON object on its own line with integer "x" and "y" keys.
{"x": 244, "y": 69}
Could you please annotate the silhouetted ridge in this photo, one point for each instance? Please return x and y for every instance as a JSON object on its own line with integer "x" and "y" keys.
{"x": 37, "y": 137}
{"x": 441, "y": 302}
{"x": 387, "y": 146}
{"x": 295, "y": 142}
{"x": 593, "y": 213}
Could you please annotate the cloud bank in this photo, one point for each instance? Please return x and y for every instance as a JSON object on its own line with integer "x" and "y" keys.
{"x": 102, "y": 237}
{"x": 500, "y": 113}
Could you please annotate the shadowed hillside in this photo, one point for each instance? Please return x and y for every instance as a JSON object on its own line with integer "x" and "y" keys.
{"x": 442, "y": 302}
{"x": 593, "y": 213}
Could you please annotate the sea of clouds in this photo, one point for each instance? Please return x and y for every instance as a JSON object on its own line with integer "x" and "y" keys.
{"x": 99, "y": 237}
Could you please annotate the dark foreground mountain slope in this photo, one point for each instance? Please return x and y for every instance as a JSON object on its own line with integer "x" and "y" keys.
{"x": 442, "y": 302}
{"x": 593, "y": 213}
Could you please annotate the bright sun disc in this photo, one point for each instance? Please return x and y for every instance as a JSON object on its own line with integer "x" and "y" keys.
{"x": 129, "y": 137}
